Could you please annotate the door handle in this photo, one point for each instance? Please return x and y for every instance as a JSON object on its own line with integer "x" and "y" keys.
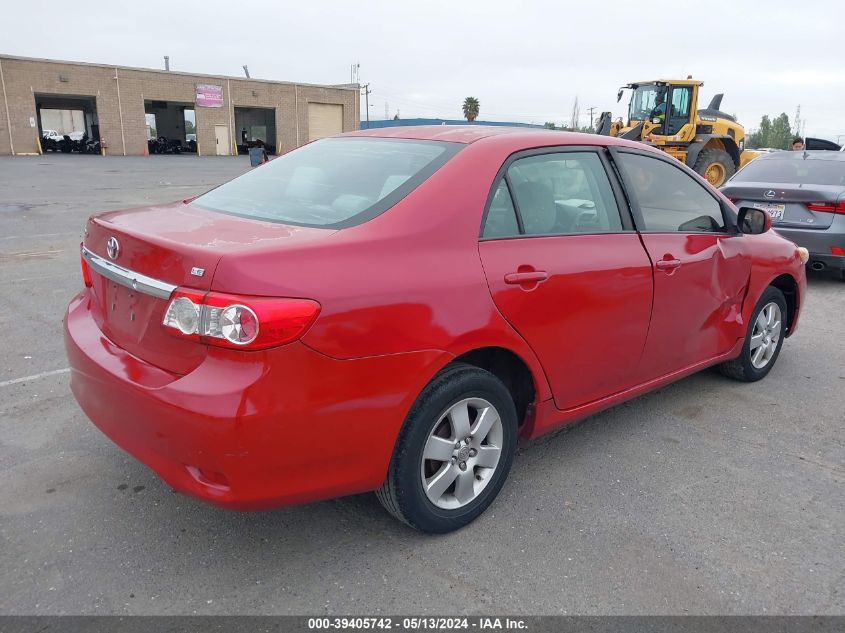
{"x": 532, "y": 277}
{"x": 667, "y": 264}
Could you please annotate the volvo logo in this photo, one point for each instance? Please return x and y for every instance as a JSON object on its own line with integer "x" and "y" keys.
{"x": 113, "y": 248}
{"x": 770, "y": 193}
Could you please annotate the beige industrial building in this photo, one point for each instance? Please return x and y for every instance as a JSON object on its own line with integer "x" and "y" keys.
{"x": 122, "y": 105}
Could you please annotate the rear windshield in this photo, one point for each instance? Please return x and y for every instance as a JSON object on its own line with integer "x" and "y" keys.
{"x": 331, "y": 183}
{"x": 794, "y": 171}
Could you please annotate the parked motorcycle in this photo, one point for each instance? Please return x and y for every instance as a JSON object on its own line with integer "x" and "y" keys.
{"x": 88, "y": 145}
{"x": 163, "y": 145}
{"x": 48, "y": 144}
{"x": 67, "y": 144}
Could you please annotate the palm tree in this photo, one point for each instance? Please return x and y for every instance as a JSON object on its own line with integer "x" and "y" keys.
{"x": 470, "y": 108}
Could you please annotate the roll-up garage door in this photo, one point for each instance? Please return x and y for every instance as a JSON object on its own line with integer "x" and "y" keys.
{"x": 324, "y": 119}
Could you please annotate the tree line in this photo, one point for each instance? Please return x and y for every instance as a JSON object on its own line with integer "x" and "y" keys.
{"x": 776, "y": 133}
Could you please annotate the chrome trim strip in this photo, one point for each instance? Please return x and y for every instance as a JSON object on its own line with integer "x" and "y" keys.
{"x": 128, "y": 278}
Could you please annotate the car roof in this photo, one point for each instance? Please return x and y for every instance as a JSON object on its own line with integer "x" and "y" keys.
{"x": 812, "y": 154}
{"x": 466, "y": 134}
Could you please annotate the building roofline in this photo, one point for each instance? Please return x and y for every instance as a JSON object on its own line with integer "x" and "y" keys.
{"x": 177, "y": 72}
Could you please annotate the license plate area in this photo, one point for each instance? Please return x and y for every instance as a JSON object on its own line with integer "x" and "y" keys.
{"x": 773, "y": 209}
{"x": 127, "y": 311}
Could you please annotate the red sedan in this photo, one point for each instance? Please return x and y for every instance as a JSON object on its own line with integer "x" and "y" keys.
{"x": 392, "y": 310}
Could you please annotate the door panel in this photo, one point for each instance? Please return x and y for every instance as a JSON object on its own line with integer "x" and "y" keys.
{"x": 221, "y": 137}
{"x": 582, "y": 302}
{"x": 697, "y": 311}
{"x": 679, "y": 109}
{"x": 701, "y": 267}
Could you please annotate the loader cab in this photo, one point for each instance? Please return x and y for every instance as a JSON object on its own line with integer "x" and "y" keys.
{"x": 667, "y": 109}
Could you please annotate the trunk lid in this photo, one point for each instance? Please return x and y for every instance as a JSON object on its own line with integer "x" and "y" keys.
{"x": 787, "y": 203}
{"x": 178, "y": 245}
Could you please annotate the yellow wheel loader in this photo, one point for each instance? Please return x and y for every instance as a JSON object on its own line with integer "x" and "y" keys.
{"x": 665, "y": 113}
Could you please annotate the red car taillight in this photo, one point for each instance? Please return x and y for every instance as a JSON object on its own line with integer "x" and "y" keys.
{"x": 235, "y": 322}
{"x": 86, "y": 272}
{"x": 828, "y": 207}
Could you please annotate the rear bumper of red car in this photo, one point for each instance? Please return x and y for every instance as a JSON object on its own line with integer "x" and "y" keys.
{"x": 249, "y": 430}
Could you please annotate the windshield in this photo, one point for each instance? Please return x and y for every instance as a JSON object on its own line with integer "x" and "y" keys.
{"x": 644, "y": 100}
{"x": 793, "y": 171}
{"x": 331, "y": 183}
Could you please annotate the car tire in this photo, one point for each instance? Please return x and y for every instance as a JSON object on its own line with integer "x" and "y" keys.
{"x": 766, "y": 330}
{"x": 720, "y": 160}
{"x": 412, "y": 489}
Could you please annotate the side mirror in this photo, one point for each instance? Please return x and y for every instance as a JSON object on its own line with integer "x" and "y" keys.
{"x": 619, "y": 95}
{"x": 753, "y": 221}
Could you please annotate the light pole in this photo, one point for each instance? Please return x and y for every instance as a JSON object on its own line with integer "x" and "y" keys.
{"x": 367, "y": 92}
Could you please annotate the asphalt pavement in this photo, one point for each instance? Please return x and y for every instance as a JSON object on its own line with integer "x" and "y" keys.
{"x": 705, "y": 497}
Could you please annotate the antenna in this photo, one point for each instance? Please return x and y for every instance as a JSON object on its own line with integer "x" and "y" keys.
{"x": 246, "y": 72}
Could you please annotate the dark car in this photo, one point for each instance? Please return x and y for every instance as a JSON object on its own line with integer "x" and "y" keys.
{"x": 820, "y": 143}
{"x": 804, "y": 192}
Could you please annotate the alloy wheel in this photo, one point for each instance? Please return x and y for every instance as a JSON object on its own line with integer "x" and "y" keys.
{"x": 461, "y": 453}
{"x": 765, "y": 335}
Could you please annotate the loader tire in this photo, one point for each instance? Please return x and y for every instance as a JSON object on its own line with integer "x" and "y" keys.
{"x": 715, "y": 165}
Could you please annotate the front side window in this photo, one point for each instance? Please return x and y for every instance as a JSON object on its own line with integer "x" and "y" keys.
{"x": 331, "y": 183}
{"x": 647, "y": 102}
{"x": 555, "y": 194}
{"x": 670, "y": 200}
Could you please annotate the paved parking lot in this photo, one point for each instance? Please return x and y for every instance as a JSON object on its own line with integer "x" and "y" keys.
{"x": 708, "y": 496}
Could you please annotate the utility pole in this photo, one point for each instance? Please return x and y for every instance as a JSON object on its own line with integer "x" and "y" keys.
{"x": 591, "y": 115}
{"x": 367, "y": 92}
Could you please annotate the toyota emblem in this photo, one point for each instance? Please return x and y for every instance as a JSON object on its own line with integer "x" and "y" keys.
{"x": 113, "y": 248}
{"x": 770, "y": 193}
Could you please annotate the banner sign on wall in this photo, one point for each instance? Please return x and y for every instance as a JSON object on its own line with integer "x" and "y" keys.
{"x": 209, "y": 96}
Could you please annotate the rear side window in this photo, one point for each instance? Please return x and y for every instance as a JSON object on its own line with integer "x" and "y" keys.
{"x": 555, "y": 194}
{"x": 501, "y": 217}
{"x": 331, "y": 183}
{"x": 670, "y": 200}
{"x": 798, "y": 171}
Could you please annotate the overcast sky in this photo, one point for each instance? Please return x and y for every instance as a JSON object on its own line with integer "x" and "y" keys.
{"x": 524, "y": 60}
